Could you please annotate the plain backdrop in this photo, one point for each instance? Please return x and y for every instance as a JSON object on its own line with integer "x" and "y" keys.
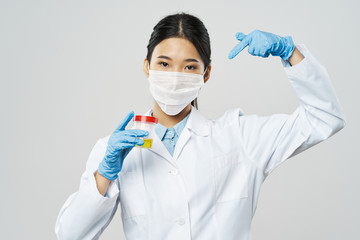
{"x": 71, "y": 70}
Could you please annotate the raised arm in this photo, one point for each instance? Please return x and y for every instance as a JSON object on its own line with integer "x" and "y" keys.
{"x": 270, "y": 140}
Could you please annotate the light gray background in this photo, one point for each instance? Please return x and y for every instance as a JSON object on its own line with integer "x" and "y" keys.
{"x": 71, "y": 70}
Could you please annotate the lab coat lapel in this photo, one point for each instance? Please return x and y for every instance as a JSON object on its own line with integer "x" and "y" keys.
{"x": 196, "y": 125}
{"x": 159, "y": 148}
{"x": 183, "y": 138}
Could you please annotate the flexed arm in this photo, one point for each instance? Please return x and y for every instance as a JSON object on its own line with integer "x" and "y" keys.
{"x": 270, "y": 140}
{"x": 87, "y": 213}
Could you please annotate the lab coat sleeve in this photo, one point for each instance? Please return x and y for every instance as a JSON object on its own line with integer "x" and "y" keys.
{"x": 270, "y": 140}
{"x": 86, "y": 213}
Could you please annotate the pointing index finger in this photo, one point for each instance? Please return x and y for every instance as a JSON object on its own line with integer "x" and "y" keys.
{"x": 238, "y": 48}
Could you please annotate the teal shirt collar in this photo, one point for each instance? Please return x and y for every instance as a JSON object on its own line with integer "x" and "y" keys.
{"x": 161, "y": 130}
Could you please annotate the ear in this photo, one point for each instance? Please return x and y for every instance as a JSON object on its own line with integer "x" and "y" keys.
{"x": 146, "y": 67}
{"x": 207, "y": 74}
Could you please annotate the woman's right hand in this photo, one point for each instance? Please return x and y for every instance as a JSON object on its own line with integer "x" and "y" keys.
{"x": 119, "y": 145}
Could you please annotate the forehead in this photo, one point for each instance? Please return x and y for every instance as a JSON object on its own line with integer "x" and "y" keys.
{"x": 177, "y": 49}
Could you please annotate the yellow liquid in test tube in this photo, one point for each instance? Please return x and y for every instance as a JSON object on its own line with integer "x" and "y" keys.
{"x": 147, "y": 143}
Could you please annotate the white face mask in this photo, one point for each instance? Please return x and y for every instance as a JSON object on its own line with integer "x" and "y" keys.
{"x": 173, "y": 91}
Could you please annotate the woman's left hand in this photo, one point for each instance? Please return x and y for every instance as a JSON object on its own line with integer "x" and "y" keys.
{"x": 263, "y": 43}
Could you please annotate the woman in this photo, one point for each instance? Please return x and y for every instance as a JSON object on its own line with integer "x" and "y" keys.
{"x": 201, "y": 179}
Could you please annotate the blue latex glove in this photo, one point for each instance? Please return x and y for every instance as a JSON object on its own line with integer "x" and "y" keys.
{"x": 263, "y": 43}
{"x": 119, "y": 145}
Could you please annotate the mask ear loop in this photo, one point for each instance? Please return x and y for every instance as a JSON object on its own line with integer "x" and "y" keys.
{"x": 205, "y": 71}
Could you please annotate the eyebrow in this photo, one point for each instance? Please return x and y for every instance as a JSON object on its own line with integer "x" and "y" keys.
{"x": 186, "y": 60}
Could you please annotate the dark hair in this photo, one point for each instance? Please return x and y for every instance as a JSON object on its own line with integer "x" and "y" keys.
{"x": 185, "y": 26}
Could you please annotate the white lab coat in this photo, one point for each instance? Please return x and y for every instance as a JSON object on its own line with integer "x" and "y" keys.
{"x": 209, "y": 189}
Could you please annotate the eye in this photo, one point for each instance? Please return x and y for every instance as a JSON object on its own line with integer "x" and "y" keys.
{"x": 191, "y": 67}
{"x": 164, "y": 64}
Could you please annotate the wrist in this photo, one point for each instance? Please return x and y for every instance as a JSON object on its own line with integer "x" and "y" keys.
{"x": 296, "y": 57}
{"x": 102, "y": 183}
{"x": 106, "y": 171}
{"x": 289, "y": 47}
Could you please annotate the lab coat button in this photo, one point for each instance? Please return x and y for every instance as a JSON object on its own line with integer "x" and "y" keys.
{"x": 181, "y": 221}
{"x": 174, "y": 172}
